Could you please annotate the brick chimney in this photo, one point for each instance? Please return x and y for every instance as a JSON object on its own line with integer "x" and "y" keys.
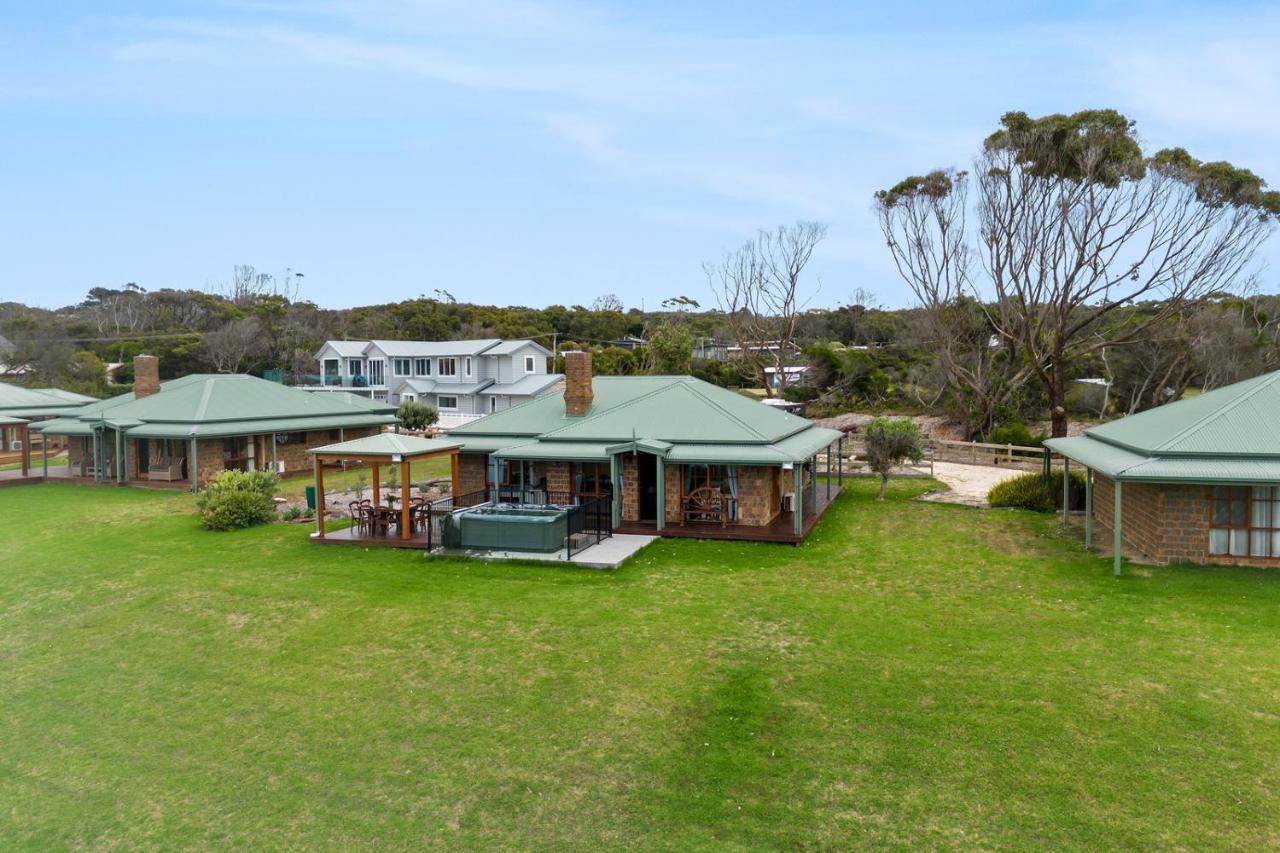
{"x": 577, "y": 383}
{"x": 146, "y": 376}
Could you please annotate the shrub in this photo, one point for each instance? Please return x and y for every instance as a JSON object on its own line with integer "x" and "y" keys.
{"x": 238, "y": 499}
{"x": 416, "y": 416}
{"x": 293, "y": 513}
{"x": 1017, "y": 433}
{"x": 1028, "y": 491}
{"x": 889, "y": 443}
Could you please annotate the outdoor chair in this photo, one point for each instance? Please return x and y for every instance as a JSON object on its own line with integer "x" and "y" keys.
{"x": 168, "y": 469}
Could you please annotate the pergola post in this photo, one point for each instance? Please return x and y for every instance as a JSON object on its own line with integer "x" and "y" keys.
{"x": 275, "y": 463}
{"x": 1066, "y": 490}
{"x": 797, "y": 515}
{"x": 615, "y": 502}
{"x": 404, "y": 499}
{"x": 662, "y": 492}
{"x": 26, "y": 450}
{"x": 1088, "y": 507}
{"x": 455, "y": 474}
{"x": 320, "y": 501}
{"x": 828, "y": 473}
{"x": 377, "y": 484}
{"x": 1115, "y": 532}
{"x": 194, "y": 467}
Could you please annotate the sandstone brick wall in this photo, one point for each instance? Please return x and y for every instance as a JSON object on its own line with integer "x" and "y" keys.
{"x": 473, "y": 472}
{"x": 630, "y": 488}
{"x": 759, "y": 501}
{"x": 673, "y": 486}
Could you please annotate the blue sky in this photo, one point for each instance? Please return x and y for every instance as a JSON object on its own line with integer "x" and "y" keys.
{"x": 527, "y": 152}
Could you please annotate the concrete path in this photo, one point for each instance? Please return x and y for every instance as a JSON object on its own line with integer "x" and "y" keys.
{"x": 608, "y": 554}
{"x": 967, "y": 484}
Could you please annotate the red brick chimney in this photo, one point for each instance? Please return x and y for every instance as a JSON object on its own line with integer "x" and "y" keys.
{"x": 146, "y": 376}
{"x": 577, "y": 383}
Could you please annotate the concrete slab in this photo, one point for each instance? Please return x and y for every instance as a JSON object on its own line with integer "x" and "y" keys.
{"x": 609, "y": 554}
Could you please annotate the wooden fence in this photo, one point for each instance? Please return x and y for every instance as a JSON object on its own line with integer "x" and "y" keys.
{"x": 964, "y": 452}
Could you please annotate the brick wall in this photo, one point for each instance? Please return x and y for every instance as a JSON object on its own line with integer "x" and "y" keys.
{"x": 1162, "y": 523}
{"x": 559, "y": 476}
{"x": 759, "y": 501}
{"x": 673, "y": 486}
{"x": 630, "y": 488}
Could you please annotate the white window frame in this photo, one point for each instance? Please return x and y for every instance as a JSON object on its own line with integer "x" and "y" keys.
{"x": 395, "y": 367}
{"x": 451, "y": 362}
{"x": 378, "y": 376}
{"x": 355, "y": 367}
{"x": 466, "y": 365}
{"x": 422, "y": 367}
{"x": 530, "y": 366}
{"x": 440, "y": 398}
{"x": 408, "y": 396}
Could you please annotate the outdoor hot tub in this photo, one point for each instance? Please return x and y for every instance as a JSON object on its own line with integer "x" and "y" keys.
{"x": 513, "y": 528}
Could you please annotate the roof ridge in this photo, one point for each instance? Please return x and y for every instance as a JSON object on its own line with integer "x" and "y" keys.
{"x": 203, "y": 406}
{"x": 1268, "y": 380}
{"x": 694, "y": 386}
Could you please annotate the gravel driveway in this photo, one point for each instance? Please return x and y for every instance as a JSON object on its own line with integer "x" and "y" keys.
{"x": 967, "y": 484}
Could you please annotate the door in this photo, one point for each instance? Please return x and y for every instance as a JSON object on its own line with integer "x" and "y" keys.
{"x": 144, "y": 457}
{"x": 648, "y": 483}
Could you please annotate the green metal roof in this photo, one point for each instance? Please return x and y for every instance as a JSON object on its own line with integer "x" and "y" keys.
{"x": 18, "y": 401}
{"x": 677, "y": 417}
{"x": 578, "y": 451}
{"x": 1239, "y": 419}
{"x": 390, "y": 444}
{"x": 63, "y": 426}
{"x": 216, "y": 405}
{"x": 6, "y": 420}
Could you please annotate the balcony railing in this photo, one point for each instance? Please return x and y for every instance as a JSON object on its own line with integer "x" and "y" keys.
{"x": 327, "y": 380}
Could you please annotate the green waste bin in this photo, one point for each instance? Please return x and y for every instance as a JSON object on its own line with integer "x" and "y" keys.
{"x": 311, "y": 497}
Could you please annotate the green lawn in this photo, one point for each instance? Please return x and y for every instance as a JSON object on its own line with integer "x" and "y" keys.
{"x": 915, "y": 675}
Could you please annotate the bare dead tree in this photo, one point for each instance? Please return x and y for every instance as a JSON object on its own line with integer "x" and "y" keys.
{"x": 924, "y": 224}
{"x": 231, "y": 348}
{"x": 757, "y": 286}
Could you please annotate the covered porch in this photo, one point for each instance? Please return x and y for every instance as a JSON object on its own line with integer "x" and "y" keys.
{"x": 372, "y": 523}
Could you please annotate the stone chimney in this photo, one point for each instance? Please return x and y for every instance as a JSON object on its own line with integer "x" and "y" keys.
{"x": 146, "y": 376}
{"x": 577, "y": 383}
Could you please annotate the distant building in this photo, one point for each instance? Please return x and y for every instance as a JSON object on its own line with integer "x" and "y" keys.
{"x": 464, "y": 380}
{"x": 627, "y": 342}
{"x": 789, "y": 377}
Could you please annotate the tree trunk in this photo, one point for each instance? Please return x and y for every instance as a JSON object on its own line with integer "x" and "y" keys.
{"x": 1058, "y": 399}
{"x": 884, "y": 484}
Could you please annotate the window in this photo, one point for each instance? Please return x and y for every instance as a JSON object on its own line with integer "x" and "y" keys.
{"x": 443, "y": 403}
{"x": 1245, "y": 521}
{"x": 422, "y": 367}
{"x": 407, "y": 397}
{"x": 591, "y": 479}
{"x": 377, "y": 372}
{"x": 528, "y": 364}
{"x": 400, "y": 366}
{"x": 466, "y": 366}
{"x": 722, "y": 477}
{"x": 493, "y": 404}
{"x": 355, "y": 367}
{"x": 448, "y": 366}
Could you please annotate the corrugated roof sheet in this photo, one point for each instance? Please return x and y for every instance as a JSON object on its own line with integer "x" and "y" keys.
{"x": 428, "y": 349}
{"x": 526, "y": 386}
{"x": 1102, "y": 457}
{"x": 487, "y": 443}
{"x": 390, "y": 444}
{"x": 1127, "y": 466}
{"x": 509, "y": 347}
{"x": 345, "y": 349}
{"x": 450, "y": 389}
{"x": 1239, "y": 419}
{"x": 16, "y": 400}
{"x": 6, "y": 420}
{"x": 574, "y": 450}
{"x": 259, "y": 426}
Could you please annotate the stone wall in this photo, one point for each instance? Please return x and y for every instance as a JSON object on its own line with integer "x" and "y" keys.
{"x": 630, "y": 488}
{"x": 759, "y": 498}
{"x": 673, "y": 486}
{"x": 473, "y": 472}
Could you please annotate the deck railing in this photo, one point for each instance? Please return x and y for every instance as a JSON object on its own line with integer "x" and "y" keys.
{"x": 436, "y": 511}
{"x": 590, "y": 517}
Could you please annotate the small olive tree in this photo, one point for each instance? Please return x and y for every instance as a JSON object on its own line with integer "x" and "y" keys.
{"x": 416, "y": 416}
{"x": 890, "y": 442}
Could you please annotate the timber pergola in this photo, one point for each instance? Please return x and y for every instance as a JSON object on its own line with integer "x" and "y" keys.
{"x": 375, "y": 451}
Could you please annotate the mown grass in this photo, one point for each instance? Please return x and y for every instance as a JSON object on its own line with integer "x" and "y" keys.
{"x": 915, "y": 675}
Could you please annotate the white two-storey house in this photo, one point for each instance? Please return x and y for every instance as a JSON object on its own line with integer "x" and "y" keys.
{"x": 464, "y": 380}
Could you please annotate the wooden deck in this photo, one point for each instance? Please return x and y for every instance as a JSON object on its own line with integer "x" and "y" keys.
{"x": 352, "y": 536}
{"x": 781, "y": 529}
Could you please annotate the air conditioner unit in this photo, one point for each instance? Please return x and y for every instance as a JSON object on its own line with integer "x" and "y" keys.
{"x": 280, "y": 467}
{"x": 15, "y": 445}
{"x": 789, "y": 502}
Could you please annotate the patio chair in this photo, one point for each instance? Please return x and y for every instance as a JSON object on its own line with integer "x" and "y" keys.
{"x": 165, "y": 468}
{"x": 359, "y": 518}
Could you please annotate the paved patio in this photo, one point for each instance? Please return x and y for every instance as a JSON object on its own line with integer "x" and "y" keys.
{"x": 608, "y": 554}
